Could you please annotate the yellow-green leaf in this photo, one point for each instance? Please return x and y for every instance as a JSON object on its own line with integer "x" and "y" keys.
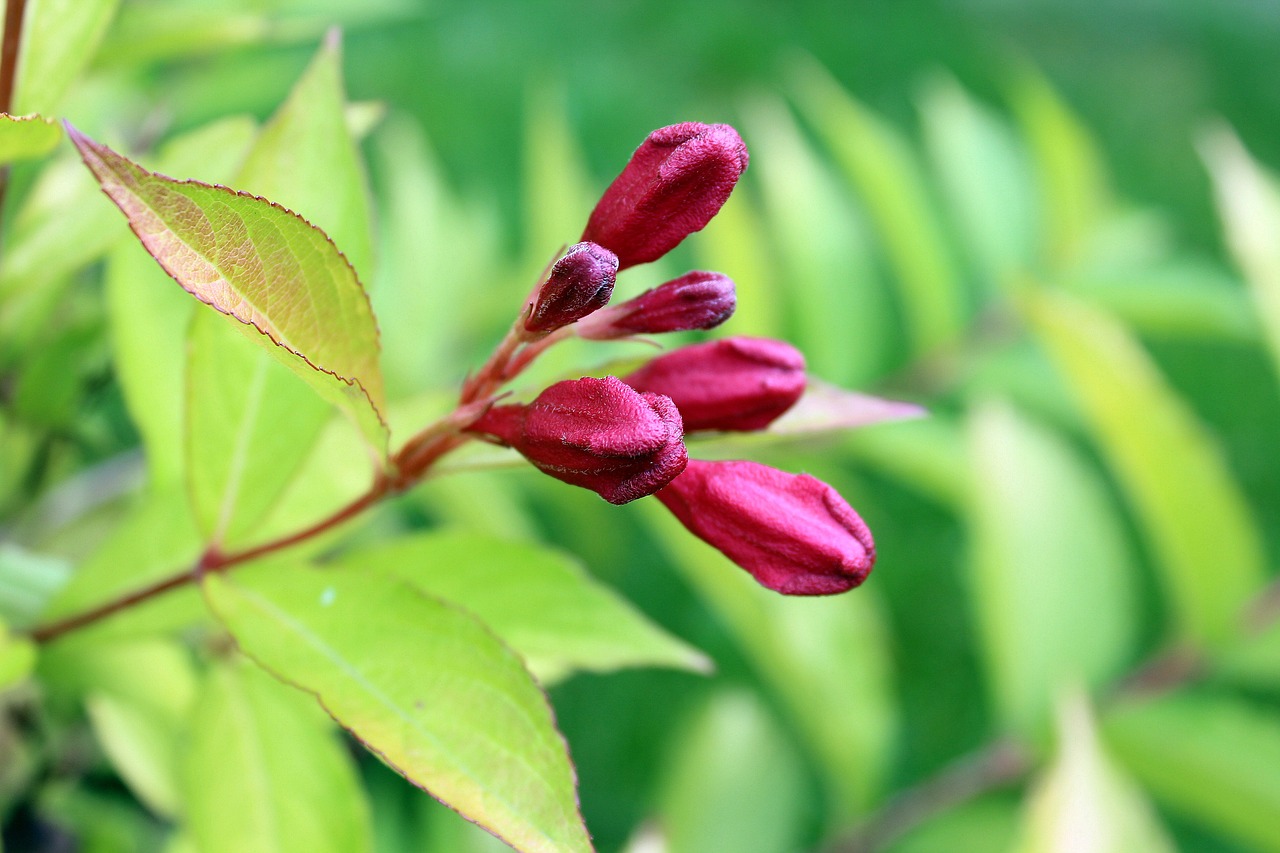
{"x": 422, "y": 684}
{"x": 59, "y": 38}
{"x": 1192, "y": 511}
{"x": 17, "y": 657}
{"x": 25, "y": 137}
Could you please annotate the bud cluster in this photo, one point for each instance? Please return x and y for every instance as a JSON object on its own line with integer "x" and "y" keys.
{"x": 624, "y": 438}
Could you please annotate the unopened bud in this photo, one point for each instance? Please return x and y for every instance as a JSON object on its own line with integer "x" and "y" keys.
{"x": 734, "y": 384}
{"x": 675, "y": 182}
{"x": 695, "y": 300}
{"x": 580, "y": 283}
{"x": 595, "y": 433}
{"x": 792, "y": 532}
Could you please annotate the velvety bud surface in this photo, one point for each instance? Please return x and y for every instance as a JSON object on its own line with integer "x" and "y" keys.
{"x": 676, "y": 181}
{"x": 579, "y": 283}
{"x": 695, "y": 300}
{"x": 734, "y": 384}
{"x": 596, "y": 433}
{"x": 792, "y": 532}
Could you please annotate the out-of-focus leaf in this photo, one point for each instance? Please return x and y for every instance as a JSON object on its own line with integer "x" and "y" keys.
{"x": 1212, "y": 758}
{"x": 17, "y": 658}
{"x": 27, "y": 582}
{"x": 263, "y": 773}
{"x": 1253, "y": 661}
{"x": 1174, "y": 475}
{"x": 1073, "y": 184}
{"x": 1050, "y": 572}
{"x": 987, "y": 180}
{"x": 735, "y": 242}
{"x": 250, "y": 425}
{"x": 539, "y": 602}
{"x": 1083, "y": 804}
{"x": 825, "y": 408}
{"x": 1249, "y": 205}
{"x": 149, "y": 316}
{"x": 59, "y": 37}
{"x": 826, "y": 658}
{"x": 986, "y": 824}
{"x": 423, "y": 685}
{"x": 264, "y": 266}
{"x": 1183, "y": 301}
{"x": 25, "y": 137}
{"x": 830, "y": 283}
{"x": 880, "y": 165}
{"x": 557, "y": 190}
{"x": 928, "y": 455}
{"x": 734, "y": 783}
{"x": 140, "y": 750}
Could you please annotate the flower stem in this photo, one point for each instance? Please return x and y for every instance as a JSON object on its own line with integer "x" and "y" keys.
{"x": 14, "y": 12}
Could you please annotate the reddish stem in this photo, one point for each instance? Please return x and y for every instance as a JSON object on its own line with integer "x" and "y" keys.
{"x": 14, "y": 12}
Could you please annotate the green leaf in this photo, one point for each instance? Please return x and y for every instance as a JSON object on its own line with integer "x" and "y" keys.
{"x": 1173, "y": 474}
{"x": 1211, "y": 758}
{"x": 880, "y": 165}
{"x": 927, "y": 454}
{"x": 1073, "y": 185}
{"x": 422, "y": 684}
{"x": 59, "y": 38}
{"x": 1049, "y": 555}
{"x": 737, "y": 241}
{"x": 816, "y": 654}
{"x": 1082, "y": 802}
{"x": 264, "y": 266}
{"x": 26, "y": 137}
{"x": 142, "y": 752}
{"x": 989, "y": 823}
{"x": 557, "y": 191}
{"x": 832, "y": 287}
{"x": 17, "y": 658}
{"x": 250, "y": 425}
{"x": 1249, "y": 206}
{"x": 539, "y": 602}
{"x": 1254, "y": 661}
{"x": 28, "y": 580}
{"x": 987, "y": 180}
{"x": 734, "y": 782}
{"x": 263, "y": 773}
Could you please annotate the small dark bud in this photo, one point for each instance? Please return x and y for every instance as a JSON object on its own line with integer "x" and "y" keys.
{"x": 580, "y": 283}
{"x": 734, "y": 384}
{"x": 595, "y": 433}
{"x": 695, "y": 300}
{"x": 676, "y": 181}
{"x": 792, "y": 532}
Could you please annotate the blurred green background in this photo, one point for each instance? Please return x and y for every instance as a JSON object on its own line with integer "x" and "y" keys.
{"x": 1030, "y": 217}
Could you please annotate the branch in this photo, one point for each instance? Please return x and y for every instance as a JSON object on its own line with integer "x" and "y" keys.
{"x": 14, "y": 12}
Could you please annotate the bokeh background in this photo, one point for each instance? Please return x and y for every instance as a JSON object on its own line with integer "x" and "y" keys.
{"x": 1050, "y": 222}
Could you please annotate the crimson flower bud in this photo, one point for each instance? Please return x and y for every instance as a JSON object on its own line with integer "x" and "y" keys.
{"x": 675, "y": 182}
{"x": 695, "y": 300}
{"x": 595, "y": 433}
{"x": 792, "y": 532}
{"x": 736, "y": 384}
{"x": 579, "y": 283}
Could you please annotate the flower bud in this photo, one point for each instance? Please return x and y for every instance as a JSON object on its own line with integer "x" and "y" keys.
{"x": 736, "y": 384}
{"x": 792, "y": 532}
{"x": 675, "y": 182}
{"x": 695, "y": 300}
{"x": 579, "y": 283}
{"x": 595, "y": 433}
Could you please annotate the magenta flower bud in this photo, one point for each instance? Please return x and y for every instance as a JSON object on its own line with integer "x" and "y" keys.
{"x": 734, "y": 384}
{"x": 675, "y": 182}
{"x": 595, "y": 433}
{"x": 695, "y": 300}
{"x": 579, "y": 283}
{"x": 792, "y": 532}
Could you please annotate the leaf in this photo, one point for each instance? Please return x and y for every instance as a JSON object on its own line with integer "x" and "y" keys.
{"x": 1049, "y": 556}
{"x": 557, "y": 191}
{"x": 879, "y": 164}
{"x": 141, "y": 751}
{"x": 1254, "y": 661}
{"x": 733, "y": 782}
{"x": 736, "y": 241}
{"x": 539, "y": 602}
{"x": 59, "y": 38}
{"x": 987, "y": 180}
{"x": 927, "y": 454}
{"x": 825, "y": 408}
{"x": 262, "y": 773}
{"x": 832, "y": 287}
{"x": 816, "y": 654}
{"x": 1191, "y": 509}
{"x": 1249, "y": 206}
{"x": 988, "y": 823}
{"x": 1073, "y": 184}
{"x": 28, "y": 580}
{"x": 1211, "y": 758}
{"x": 17, "y": 658}
{"x": 263, "y": 265}
{"x": 26, "y": 137}
{"x": 250, "y": 425}
{"x": 422, "y": 684}
{"x": 1082, "y": 803}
